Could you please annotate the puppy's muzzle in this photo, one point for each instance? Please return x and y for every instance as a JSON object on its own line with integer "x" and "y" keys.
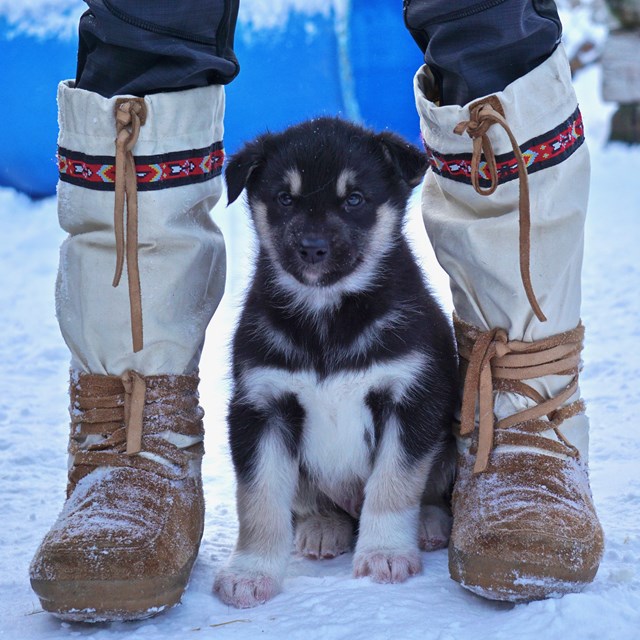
{"x": 313, "y": 249}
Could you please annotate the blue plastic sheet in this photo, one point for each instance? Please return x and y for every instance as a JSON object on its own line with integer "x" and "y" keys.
{"x": 359, "y": 66}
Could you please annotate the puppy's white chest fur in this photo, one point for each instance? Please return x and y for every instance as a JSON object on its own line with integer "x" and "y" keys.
{"x": 338, "y": 427}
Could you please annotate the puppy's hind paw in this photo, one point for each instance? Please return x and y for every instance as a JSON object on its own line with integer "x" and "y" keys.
{"x": 434, "y": 528}
{"x": 324, "y": 537}
{"x": 387, "y": 566}
{"x": 245, "y": 590}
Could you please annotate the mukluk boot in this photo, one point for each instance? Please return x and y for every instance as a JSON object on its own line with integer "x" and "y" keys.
{"x": 128, "y": 534}
{"x": 140, "y": 276}
{"x": 504, "y": 207}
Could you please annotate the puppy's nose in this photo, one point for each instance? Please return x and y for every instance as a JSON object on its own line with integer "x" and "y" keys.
{"x": 313, "y": 249}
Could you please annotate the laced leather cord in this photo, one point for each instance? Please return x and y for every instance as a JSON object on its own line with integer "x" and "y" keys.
{"x": 495, "y": 363}
{"x": 124, "y": 422}
{"x": 484, "y": 114}
{"x": 134, "y": 400}
{"x": 130, "y": 116}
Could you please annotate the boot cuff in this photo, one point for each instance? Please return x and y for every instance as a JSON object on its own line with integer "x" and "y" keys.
{"x": 176, "y": 121}
{"x": 533, "y": 105}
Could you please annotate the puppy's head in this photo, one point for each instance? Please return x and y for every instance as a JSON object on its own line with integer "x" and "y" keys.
{"x": 326, "y": 196}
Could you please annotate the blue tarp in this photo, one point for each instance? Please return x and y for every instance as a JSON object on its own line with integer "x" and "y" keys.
{"x": 360, "y": 67}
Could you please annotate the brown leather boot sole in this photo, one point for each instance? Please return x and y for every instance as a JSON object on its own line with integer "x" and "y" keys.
{"x": 496, "y": 579}
{"x": 111, "y": 600}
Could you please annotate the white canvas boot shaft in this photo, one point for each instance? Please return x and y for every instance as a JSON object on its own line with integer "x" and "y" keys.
{"x": 524, "y": 524}
{"x": 180, "y": 250}
{"x": 136, "y": 424}
{"x": 476, "y": 238}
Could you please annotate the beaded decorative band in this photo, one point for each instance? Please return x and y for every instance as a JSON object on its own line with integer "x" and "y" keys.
{"x": 154, "y": 172}
{"x": 539, "y": 153}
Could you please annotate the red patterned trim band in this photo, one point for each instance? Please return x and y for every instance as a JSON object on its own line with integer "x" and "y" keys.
{"x": 539, "y": 153}
{"x": 154, "y": 172}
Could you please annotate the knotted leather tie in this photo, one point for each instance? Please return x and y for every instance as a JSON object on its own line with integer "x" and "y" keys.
{"x": 114, "y": 418}
{"x": 483, "y": 115}
{"x": 130, "y": 116}
{"x": 495, "y": 363}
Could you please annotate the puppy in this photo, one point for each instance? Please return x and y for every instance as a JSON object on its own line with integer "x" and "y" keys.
{"x": 344, "y": 366}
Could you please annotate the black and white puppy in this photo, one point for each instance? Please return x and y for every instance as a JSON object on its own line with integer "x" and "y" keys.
{"x": 344, "y": 366}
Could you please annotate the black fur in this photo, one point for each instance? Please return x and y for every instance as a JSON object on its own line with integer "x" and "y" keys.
{"x": 321, "y": 338}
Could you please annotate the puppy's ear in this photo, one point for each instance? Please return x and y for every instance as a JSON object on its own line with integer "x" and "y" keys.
{"x": 409, "y": 162}
{"x": 240, "y": 166}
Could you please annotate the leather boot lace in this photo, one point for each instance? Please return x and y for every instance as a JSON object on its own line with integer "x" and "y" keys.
{"x": 483, "y": 115}
{"x": 125, "y": 422}
{"x": 130, "y": 115}
{"x": 495, "y": 363}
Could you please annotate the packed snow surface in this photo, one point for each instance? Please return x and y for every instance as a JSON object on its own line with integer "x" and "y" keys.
{"x": 321, "y": 600}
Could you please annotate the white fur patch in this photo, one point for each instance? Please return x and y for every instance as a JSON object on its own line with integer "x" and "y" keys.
{"x": 277, "y": 340}
{"x": 294, "y": 179}
{"x": 346, "y": 178}
{"x": 370, "y": 336}
{"x": 338, "y": 420}
{"x": 259, "y": 211}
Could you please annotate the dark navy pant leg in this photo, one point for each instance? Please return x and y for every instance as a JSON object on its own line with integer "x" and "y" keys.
{"x": 475, "y": 47}
{"x": 150, "y": 46}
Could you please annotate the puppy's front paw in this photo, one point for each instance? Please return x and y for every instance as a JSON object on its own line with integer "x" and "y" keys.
{"x": 323, "y": 537}
{"x": 244, "y": 590}
{"x": 434, "y": 528}
{"x": 386, "y": 565}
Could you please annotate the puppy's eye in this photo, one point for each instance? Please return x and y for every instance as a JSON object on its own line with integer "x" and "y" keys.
{"x": 285, "y": 199}
{"x": 354, "y": 199}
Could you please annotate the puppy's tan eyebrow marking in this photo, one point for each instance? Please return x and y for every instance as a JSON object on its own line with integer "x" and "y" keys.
{"x": 346, "y": 177}
{"x": 294, "y": 178}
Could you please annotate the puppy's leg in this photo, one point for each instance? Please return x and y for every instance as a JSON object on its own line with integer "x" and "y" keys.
{"x": 256, "y": 568}
{"x": 387, "y": 547}
{"x": 434, "y": 528}
{"x": 322, "y": 529}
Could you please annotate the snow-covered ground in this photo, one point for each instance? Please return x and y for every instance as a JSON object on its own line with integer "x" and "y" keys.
{"x": 322, "y": 600}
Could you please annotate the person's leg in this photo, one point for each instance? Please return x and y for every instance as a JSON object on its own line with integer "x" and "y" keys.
{"x": 141, "y": 273}
{"x": 478, "y": 47}
{"x": 504, "y": 206}
{"x": 143, "y": 47}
